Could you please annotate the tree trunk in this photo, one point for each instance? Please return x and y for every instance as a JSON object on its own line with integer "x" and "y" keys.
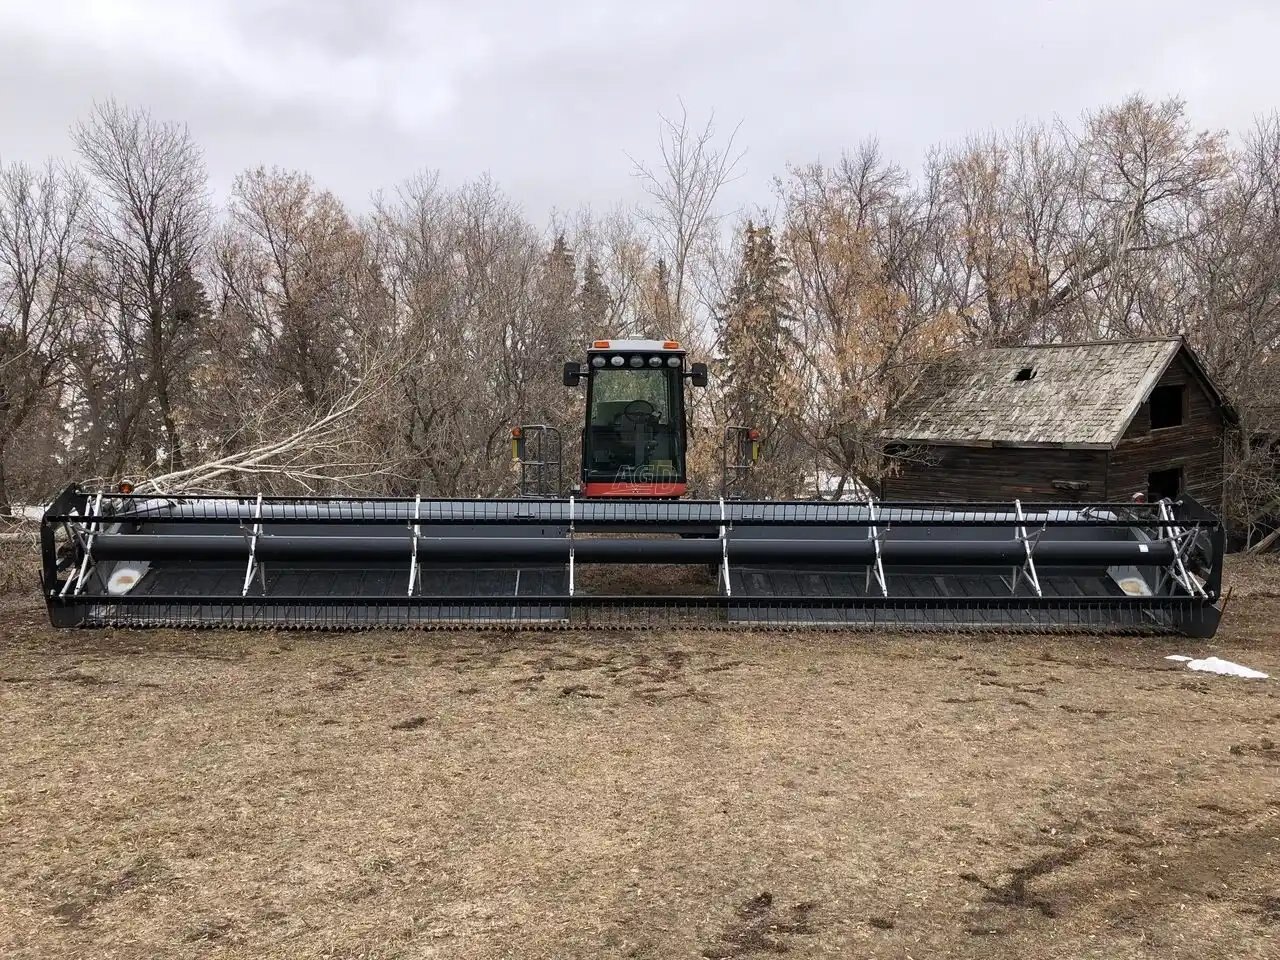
{"x": 170, "y": 425}
{"x": 160, "y": 380}
{"x": 6, "y": 508}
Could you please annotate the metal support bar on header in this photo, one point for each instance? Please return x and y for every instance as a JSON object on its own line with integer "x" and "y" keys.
{"x": 252, "y": 566}
{"x": 1181, "y": 540}
{"x": 724, "y": 551}
{"x": 1028, "y": 569}
{"x": 415, "y": 530}
{"x": 571, "y": 546}
{"x": 91, "y": 530}
{"x": 873, "y": 533}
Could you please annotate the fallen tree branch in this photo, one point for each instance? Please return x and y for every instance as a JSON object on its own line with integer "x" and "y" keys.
{"x": 318, "y": 451}
{"x": 1265, "y": 544}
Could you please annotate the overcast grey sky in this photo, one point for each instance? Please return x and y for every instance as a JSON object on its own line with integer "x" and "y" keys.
{"x": 551, "y": 97}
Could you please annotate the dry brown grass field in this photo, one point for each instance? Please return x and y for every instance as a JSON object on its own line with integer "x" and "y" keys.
{"x": 638, "y": 794}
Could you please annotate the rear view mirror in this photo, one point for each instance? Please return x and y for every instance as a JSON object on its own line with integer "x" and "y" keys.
{"x": 572, "y": 373}
{"x": 698, "y": 374}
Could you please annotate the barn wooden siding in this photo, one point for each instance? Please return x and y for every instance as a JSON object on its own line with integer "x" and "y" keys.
{"x": 955, "y": 473}
{"x": 938, "y": 472}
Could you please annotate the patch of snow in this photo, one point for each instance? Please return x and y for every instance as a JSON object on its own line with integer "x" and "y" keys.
{"x": 28, "y": 512}
{"x": 826, "y": 484}
{"x": 1217, "y": 665}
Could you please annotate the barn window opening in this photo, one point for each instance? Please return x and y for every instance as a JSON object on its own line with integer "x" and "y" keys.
{"x": 1164, "y": 484}
{"x": 1025, "y": 374}
{"x": 1167, "y": 406}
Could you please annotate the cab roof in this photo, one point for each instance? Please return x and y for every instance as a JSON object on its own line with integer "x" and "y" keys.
{"x": 635, "y": 346}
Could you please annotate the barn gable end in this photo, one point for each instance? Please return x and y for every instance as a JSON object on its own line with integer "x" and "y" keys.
{"x": 1195, "y": 446}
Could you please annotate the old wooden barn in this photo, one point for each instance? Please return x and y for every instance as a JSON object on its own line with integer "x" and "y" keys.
{"x": 1069, "y": 422}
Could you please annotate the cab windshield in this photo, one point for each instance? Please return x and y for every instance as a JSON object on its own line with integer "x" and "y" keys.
{"x": 635, "y": 425}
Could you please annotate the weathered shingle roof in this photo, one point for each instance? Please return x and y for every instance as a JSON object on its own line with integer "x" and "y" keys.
{"x": 1081, "y": 394}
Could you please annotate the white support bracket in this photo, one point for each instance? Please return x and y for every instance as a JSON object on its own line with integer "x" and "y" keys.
{"x": 92, "y": 528}
{"x": 571, "y": 545}
{"x": 1028, "y": 568}
{"x": 253, "y": 567}
{"x": 724, "y": 551}
{"x": 1181, "y": 540}
{"x": 415, "y": 530}
{"x": 874, "y": 534}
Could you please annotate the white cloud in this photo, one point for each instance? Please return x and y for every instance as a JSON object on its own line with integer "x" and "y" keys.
{"x": 551, "y": 97}
{"x": 412, "y": 81}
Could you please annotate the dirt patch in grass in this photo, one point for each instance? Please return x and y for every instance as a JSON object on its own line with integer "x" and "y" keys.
{"x": 1013, "y": 891}
{"x": 758, "y": 926}
{"x": 636, "y": 794}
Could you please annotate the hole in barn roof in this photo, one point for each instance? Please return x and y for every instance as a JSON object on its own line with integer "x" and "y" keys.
{"x": 1026, "y": 373}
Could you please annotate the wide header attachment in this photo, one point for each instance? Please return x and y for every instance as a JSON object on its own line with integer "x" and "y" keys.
{"x": 309, "y": 562}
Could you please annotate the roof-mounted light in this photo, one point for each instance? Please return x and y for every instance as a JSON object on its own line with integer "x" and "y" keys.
{"x": 673, "y": 361}
{"x": 637, "y": 360}
{"x": 597, "y": 361}
{"x": 655, "y": 361}
{"x": 601, "y": 344}
{"x": 671, "y": 345}
{"x": 617, "y": 360}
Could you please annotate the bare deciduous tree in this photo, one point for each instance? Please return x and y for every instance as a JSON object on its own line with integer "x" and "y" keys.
{"x": 860, "y": 242}
{"x": 683, "y": 218}
{"x": 146, "y": 234}
{"x": 40, "y": 221}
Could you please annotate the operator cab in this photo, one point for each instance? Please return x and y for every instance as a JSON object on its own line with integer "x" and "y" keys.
{"x": 634, "y": 441}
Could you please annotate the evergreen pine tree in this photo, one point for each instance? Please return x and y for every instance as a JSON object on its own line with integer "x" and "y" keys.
{"x": 594, "y": 302}
{"x": 759, "y": 346}
{"x": 657, "y": 320}
{"x": 555, "y": 335}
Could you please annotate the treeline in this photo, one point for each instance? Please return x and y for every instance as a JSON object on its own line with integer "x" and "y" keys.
{"x": 286, "y": 342}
